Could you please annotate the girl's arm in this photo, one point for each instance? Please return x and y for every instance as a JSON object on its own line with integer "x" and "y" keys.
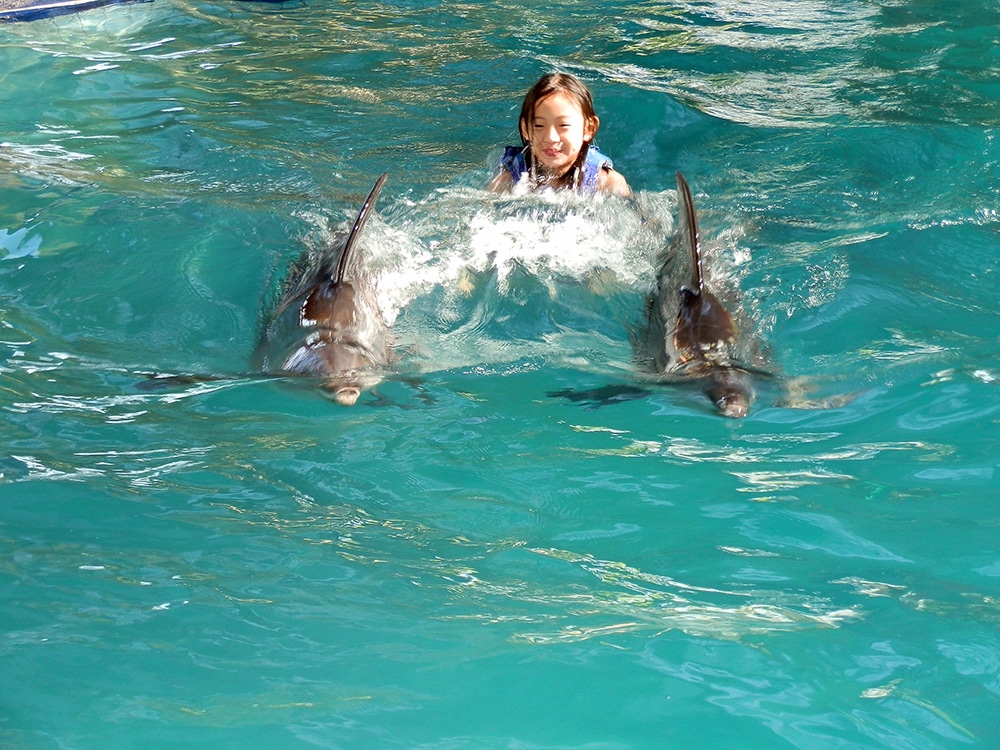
{"x": 502, "y": 183}
{"x": 611, "y": 181}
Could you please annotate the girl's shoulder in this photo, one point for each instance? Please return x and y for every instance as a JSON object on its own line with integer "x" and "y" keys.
{"x": 602, "y": 175}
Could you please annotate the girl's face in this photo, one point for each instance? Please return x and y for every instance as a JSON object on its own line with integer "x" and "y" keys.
{"x": 558, "y": 132}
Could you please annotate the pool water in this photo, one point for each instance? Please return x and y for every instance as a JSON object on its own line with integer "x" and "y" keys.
{"x": 516, "y": 540}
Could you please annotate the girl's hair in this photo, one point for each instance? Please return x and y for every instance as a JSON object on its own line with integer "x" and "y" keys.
{"x": 556, "y": 83}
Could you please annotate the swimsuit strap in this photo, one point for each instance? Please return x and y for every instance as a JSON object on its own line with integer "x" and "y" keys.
{"x": 515, "y": 161}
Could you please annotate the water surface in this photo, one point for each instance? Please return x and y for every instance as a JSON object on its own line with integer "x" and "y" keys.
{"x": 464, "y": 560}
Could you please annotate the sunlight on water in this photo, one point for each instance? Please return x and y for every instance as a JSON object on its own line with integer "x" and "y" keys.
{"x": 661, "y": 603}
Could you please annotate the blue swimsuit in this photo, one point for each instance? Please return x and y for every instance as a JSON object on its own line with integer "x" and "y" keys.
{"x": 513, "y": 160}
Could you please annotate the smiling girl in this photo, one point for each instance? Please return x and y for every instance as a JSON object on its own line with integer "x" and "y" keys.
{"x": 558, "y": 125}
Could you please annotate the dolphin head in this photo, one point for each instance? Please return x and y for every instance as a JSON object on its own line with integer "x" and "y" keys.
{"x": 345, "y": 364}
{"x": 735, "y": 405}
{"x": 344, "y": 390}
{"x": 731, "y": 392}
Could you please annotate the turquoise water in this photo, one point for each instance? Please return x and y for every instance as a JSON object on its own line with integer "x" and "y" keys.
{"x": 463, "y": 560}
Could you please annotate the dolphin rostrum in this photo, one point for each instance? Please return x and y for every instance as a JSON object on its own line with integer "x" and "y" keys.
{"x": 339, "y": 333}
{"x": 689, "y": 331}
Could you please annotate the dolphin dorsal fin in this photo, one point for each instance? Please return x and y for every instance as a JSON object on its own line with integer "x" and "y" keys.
{"x": 688, "y": 234}
{"x": 359, "y": 225}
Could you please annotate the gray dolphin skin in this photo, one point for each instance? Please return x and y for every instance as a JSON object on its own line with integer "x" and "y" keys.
{"x": 689, "y": 331}
{"x": 338, "y": 333}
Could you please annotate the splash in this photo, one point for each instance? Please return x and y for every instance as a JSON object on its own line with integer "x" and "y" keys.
{"x": 547, "y": 235}
{"x": 468, "y": 278}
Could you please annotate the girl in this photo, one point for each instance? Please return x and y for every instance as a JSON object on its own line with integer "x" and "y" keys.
{"x": 557, "y": 126}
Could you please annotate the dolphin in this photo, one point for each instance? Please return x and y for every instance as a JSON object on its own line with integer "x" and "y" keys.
{"x": 689, "y": 332}
{"x": 338, "y": 332}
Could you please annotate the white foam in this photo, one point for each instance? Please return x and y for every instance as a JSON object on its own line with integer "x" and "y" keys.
{"x": 436, "y": 241}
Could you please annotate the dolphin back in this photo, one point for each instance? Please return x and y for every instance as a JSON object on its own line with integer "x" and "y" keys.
{"x": 687, "y": 328}
{"x": 688, "y": 239}
{"x": 703, "y": 329}
{"x": 359, "y": 224}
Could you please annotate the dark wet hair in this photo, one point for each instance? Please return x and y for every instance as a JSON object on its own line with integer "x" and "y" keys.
{"x": 549, "y": 84}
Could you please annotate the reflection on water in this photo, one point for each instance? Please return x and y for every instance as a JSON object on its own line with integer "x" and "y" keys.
{"x": 660, "y": 603}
